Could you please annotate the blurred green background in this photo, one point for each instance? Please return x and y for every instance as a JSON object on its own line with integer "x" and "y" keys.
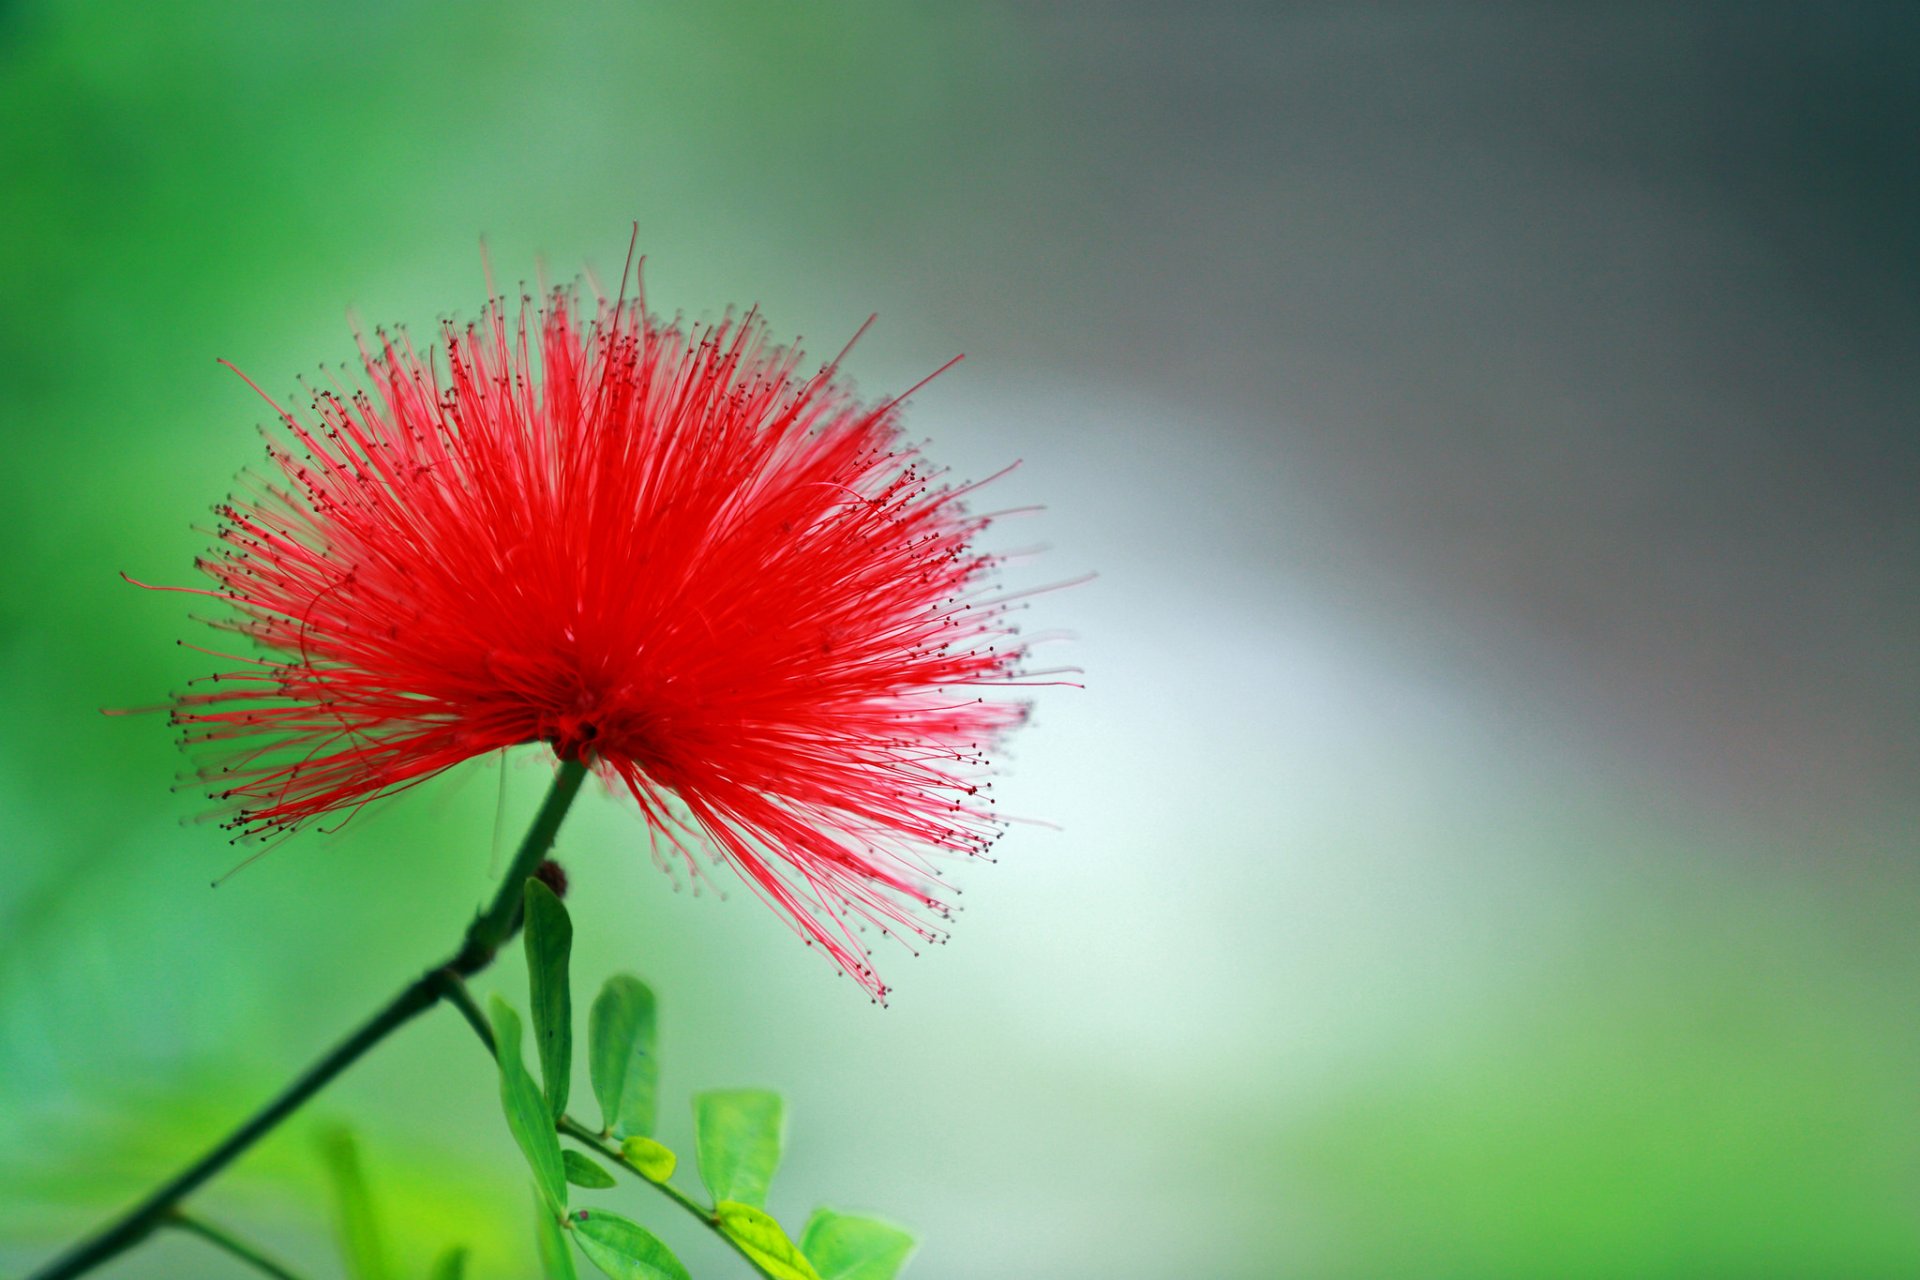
{"x": 1487, "y": 835}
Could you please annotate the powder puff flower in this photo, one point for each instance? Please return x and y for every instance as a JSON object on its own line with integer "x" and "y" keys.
{"x": 726, "y": 585}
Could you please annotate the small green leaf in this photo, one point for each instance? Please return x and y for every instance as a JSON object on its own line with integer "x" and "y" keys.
{"x": 526, "y": 1111}
{"x": 452, "y": 1265}
{"x": 624, "y": 1250}
{"x": 762, "y": 1239}
{"x": 549, "y": 938}
{"x": 655, "y": 1162}
{"x": 842, "y": 1246}
{"x": 583, "y": 1172}
{"x": 738, "y": 1134}
{"x": 620, "y": 1055}
{"x": 556, "y": 1259}
{"x": 360, "y": 1241}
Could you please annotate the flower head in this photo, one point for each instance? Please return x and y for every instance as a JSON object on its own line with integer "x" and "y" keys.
{"x": 726, "y": 584}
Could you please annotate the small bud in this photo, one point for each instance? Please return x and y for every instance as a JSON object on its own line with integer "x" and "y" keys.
{"x": 552, "y": 875}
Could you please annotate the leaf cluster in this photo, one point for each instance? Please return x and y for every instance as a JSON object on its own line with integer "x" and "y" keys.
{"x": 739, "y": 1136}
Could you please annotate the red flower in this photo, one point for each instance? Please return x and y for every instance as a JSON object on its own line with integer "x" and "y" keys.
{"x": 727, "y": 585}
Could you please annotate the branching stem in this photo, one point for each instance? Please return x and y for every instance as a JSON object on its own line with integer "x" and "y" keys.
{"x": 221, "y": 1238}
{"x": 490, "y": 929}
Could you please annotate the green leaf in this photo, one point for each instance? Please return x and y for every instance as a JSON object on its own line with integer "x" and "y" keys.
{"x": 583, "y": 1172}
{"x": 762, "y": 1239}
{"x": 842, "y": 1246}
{"x": 738, "y": 1133}
{"x": 655, "y": 1162}
{"x": 620, "y": 1056}
{"x": 624, "y": 1250}
{"x": 360, "y": 1241}
{"x": 556, "y": 1259}
{"x": 452, "y": 1265}
{"x": 526, "y": 1111}
{"x": 549, "y": 938}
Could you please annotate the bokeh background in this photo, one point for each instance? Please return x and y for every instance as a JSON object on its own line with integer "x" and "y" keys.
{"x": 1487, "y": 834}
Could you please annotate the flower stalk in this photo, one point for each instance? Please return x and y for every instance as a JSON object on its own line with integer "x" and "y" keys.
{"x": 493, "y": 927}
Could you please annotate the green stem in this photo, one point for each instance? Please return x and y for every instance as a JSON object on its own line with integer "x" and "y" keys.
{"x": 462, "y": 999}
{"x": 184, "y": 1221}
{"x": 587, "y": 1137}
{"x": 501, "y": 920}
{"x": 710, "y": 1218}
{"x": 492, "y": 927}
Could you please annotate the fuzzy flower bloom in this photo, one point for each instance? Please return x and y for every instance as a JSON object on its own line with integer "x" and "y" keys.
{"x": 726, "y": 584}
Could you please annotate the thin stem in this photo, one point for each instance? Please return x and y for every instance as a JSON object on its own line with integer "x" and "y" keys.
{"x": 587, "y": 1137}
{"x": 708, "y": 1217}
{"x": 139, "y": 1221}
{"x": 501, "y": 920}
{"x": 460, "y": 996}
{"x": 223, "y": 1239}
{"x": 492, "y": 927}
